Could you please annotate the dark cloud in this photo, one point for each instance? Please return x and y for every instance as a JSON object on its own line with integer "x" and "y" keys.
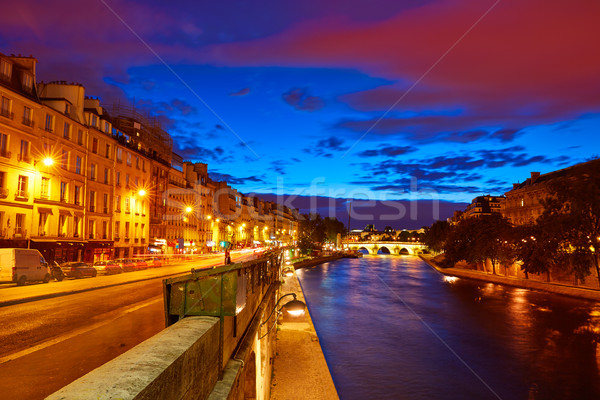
{"x": 324, "y": 147}
{"x": 198, "y": 153}
{"x": 241, "y": 92}
{"x": 389, "y": 151}
{"x": 232, "y": 180}
{"x": 301, "y": 100}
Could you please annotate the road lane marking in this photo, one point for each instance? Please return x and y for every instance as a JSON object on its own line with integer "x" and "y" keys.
{"x": 77, "y": 332}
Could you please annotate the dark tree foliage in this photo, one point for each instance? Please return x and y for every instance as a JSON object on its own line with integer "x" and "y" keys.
{"x": 435, "y": 236}
{"x": 567, "y": 234}
{"x": 314, "y": 231}
{"x": 479, "y": 239}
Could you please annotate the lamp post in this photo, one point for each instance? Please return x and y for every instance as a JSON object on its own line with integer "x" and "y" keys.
{"x": 294, "y": 307}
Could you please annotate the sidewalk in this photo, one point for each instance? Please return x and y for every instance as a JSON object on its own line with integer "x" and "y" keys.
{"x": 300, "y": 369}
{"x": 557, "y": 288}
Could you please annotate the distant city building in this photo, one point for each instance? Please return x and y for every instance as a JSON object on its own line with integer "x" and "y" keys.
{"x": 523, "y": 203}
{"x": 484, "y": 205}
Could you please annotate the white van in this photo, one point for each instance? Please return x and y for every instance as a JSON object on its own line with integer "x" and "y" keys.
{"x": 22, "y": 265}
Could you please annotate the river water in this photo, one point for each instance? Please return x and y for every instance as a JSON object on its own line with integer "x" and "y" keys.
{"x": 391, "y": 327}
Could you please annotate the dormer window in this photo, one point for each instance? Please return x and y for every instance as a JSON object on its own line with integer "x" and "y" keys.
{"x": 67, "y": 108}
{"x": 5, "y": 69}
{"x": 94, "y": 120}
{"x": 27, "y": 81}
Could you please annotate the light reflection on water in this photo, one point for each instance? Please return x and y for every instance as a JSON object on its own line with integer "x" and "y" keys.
{"x": 393, "y": 328}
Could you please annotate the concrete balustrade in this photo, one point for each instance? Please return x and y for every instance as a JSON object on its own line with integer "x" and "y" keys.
{"x": 180, "y": 362}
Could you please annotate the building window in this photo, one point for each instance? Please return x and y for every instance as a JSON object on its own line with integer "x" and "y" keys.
{"x": 119, "y": 154}
{"x": 137, "y": 162}
{"x": 127, "y": 180}
{"x": 107, "y": 155}
{"x": 63, "y": 192}
{"x": 129, "y": 159}
{"x": 4, "y": 145}
{"x": 42, "y": 224}
{"x": 95, "y": 146}
{"x": 76, "y": 195}
{"x": 76, "y": 226}
{"x": 67, "y": 108}
{"x": 5, "y": 107}
{"x": 22, "y": 187}
{"x": 93, "y": 172}
{"x": 44, "y": 190}
{"x": 20, "y": 224}
{"x": 106, "y": 127}
{"x": 27, "y": 116}
{"x": 127, "y": 210}
{"x": 104, "y": 229}
{"x": 92, "y": 201}
{"x": 126, "y": 230}
{"x": 106, "y": 172}
{"x": 91, "y": 229}
{"x": 3, "y": 190}
{"x": 24, "y": 151}
{"x": 117, "y": 229}
{"x": 5, "y": 69}
{"x": 78, "y": 165}
{"x": 105, "y": 203}
{"x": 94, "y": 120}
{"x": 67, "y": 131}
{"x": 64, "y": 160}
{"x": 27, "y": 81}
{"x": 49, "y": 126}
{"x": 118, "y": 178}
{"x": 80, "y": 137}
{"x": 118, "y": 203}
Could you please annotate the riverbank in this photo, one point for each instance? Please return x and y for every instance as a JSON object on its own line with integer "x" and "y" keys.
{"x": 316, "y": 261}
{"x": 557, "y": 288}
{"x": 300, "y": 370}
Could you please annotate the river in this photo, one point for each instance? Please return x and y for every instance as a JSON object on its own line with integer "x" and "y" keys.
{"x": 391, "y": 327}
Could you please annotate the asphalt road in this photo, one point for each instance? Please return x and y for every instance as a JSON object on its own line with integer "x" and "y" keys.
{"x": 52, "y": 334}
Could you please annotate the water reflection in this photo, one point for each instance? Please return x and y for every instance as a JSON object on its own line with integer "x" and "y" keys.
{"x": 391, "y": 327}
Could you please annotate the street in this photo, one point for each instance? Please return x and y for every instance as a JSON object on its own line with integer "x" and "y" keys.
{"x": 48, "y": 342}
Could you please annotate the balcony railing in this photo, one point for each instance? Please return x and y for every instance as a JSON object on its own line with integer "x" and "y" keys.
{"x": 24, "y": 157}
{"x": 21, "y": 195}
{"x": 20, "y": 232}
{"x": 90, "y": 236}
{"x": 28, "y": 121}
{"x": 5, "y": 153}
{"x": 7, "y": 114}
{"x": 92, "y": 208}
{"x": 105, "y": 210}
{"x": 3, "y": 193}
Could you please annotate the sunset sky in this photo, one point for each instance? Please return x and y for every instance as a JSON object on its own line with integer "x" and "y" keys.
{"x": 385, "y": 99}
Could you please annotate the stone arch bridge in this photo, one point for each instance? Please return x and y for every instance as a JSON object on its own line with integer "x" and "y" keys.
{"x": 396, "y": 248}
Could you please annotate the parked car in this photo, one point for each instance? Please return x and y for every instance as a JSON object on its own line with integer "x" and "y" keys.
{"x": 78, "y": 269}
{"x": 154, "y": 262}
{"x": 140, "y": 263}
{"x": 107, "y": 267}
{"x": 126, "y": 264}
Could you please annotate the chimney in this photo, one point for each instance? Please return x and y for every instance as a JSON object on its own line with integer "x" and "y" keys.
{"x": 534, "y": 176}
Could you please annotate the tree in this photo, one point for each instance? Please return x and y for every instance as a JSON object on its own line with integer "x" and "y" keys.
{"x": 487, "y": 237}
{"x": 569, "y": 228}
{"x": 435, "y": 236}
{"x": 314, "y": 231}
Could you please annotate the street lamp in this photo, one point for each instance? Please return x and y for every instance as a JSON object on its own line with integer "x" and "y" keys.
{"x": 294, "y": 307}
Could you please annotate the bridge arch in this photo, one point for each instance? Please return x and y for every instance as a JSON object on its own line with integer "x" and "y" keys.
{"x": 363, "y": 250}
{"x": 404, "y": 251}
{"x": 383, "y": 250}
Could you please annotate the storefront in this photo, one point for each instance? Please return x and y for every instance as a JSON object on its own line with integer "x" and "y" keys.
{"x": 98, "y": 251}
{"x": 59, "y": 250}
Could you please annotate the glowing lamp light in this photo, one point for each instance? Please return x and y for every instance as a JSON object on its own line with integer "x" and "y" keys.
{"x": 295, "y": 308}
{"x": 48, "y": 161}
{"x": 450, "y": 279}
{"x": 188, "y": 209}
{"x": 142, "y": 192}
